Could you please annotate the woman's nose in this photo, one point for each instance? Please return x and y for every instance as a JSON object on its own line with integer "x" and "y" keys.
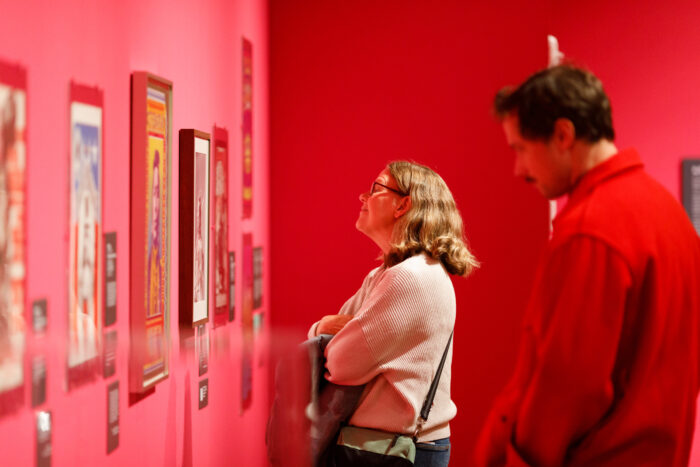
{"x": 364, "y": 196}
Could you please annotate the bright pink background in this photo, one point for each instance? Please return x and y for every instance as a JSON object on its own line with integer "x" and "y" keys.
{"x": 196, "y": 45}
{"x": 357, "y": 84}
{"x": 352, "y": 85}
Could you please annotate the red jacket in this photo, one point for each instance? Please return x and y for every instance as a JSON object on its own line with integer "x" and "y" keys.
{"x": 609, "y": 363}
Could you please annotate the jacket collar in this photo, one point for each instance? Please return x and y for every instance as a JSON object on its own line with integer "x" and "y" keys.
{"x": 623, "y": 161}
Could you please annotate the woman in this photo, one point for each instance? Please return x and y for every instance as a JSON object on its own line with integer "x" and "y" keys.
{"x": 392, "y": 333}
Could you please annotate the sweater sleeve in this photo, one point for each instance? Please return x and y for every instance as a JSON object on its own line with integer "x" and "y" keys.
{"x": 579, "y": 305}
{"x": 312, "y": 330}
{"x": 351, "y": 305}
{"x": 390, "y": 322}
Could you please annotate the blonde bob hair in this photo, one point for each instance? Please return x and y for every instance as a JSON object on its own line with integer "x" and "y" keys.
{"x": 432, "y": 225}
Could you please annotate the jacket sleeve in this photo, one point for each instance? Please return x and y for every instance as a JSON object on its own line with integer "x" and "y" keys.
{"x": 578, "y": 310}
{"x": 492, "y": 447}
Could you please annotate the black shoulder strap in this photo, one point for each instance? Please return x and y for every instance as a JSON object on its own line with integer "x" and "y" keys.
{"x": 428, "y": 403}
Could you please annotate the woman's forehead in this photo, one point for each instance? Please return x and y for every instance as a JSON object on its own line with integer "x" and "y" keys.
{"x": 384, "y": 176}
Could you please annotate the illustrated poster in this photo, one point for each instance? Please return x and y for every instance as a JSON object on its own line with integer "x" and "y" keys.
{"x": 13, "y": 153}
{"x": 221, "y": 263}
{"x": 200, "y": 294}
{"x": 85, "y": 236}
{"x": 156, "y": 245}
{"x": 247, "y": 128}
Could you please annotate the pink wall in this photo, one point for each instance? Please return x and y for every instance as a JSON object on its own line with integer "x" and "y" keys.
{"x": 355, "y": 85}
{"x": 198, "y": 47}
{"x": 644, "y": 54}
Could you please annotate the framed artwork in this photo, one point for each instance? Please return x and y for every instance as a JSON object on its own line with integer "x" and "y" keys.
{"x": 247, "y": 128}
{"x": 220, "y": 219}
{"x": 13, "y": 234}
{"x": 85, "y": 234}
{"x": 149, "y": 311}
{"x": 194, "y": 229}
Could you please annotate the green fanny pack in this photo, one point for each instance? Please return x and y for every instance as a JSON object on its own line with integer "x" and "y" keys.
{"x": 364, "y": 446}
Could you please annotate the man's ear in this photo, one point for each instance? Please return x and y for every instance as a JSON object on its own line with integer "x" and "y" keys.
{"x": 564, "y": 133}
{"x": 403, "y": 207}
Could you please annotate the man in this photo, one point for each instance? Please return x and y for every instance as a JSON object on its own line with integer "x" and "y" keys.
{"x": 608, "y": 367}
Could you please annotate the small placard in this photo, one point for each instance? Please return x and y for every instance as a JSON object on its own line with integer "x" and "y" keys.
{"x": 257, "y": 322}
{"x": 110, "y": 278}
{"x": 112, "y": 416}
{"x": 39, "y": 321}
{"x": 202, "y": 344}
{"x": 257, "y": 277}
{"x": 691, "y": 190}
{"x": 231, "y": 285}
{"x": 203, "y": 393}
{"x": 43, "y": 439}
{"x": 38, "y": 380}
{"x": 110, "y": 354}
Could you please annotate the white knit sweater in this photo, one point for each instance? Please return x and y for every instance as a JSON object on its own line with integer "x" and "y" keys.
{"x": 403, "y": 317}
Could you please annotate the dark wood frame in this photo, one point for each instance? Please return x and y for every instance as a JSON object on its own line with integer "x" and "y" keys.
{"x": 186, "y": 210}
{"x": 140, "y": 381}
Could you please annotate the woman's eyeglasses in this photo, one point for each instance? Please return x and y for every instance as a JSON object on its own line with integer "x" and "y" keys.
{"x": 374, "y": 189}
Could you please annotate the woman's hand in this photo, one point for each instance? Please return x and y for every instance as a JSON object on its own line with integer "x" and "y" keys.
{"x": 331, "y": 324}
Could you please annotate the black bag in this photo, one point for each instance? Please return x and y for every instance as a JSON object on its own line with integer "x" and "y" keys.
{"x": 365, "y": 447}
{"x": 307, "y": 410}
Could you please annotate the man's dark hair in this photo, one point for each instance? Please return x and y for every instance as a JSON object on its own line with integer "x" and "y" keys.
{"x": 563, "y": 91}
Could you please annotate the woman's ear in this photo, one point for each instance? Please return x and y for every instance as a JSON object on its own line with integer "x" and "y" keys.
{"x": 403, "y": 207}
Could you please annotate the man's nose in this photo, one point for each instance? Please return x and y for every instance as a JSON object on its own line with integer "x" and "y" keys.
{"x": 364, "y": 196}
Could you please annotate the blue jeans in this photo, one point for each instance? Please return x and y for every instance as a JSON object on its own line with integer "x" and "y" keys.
{"x": 433, "y": 455}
